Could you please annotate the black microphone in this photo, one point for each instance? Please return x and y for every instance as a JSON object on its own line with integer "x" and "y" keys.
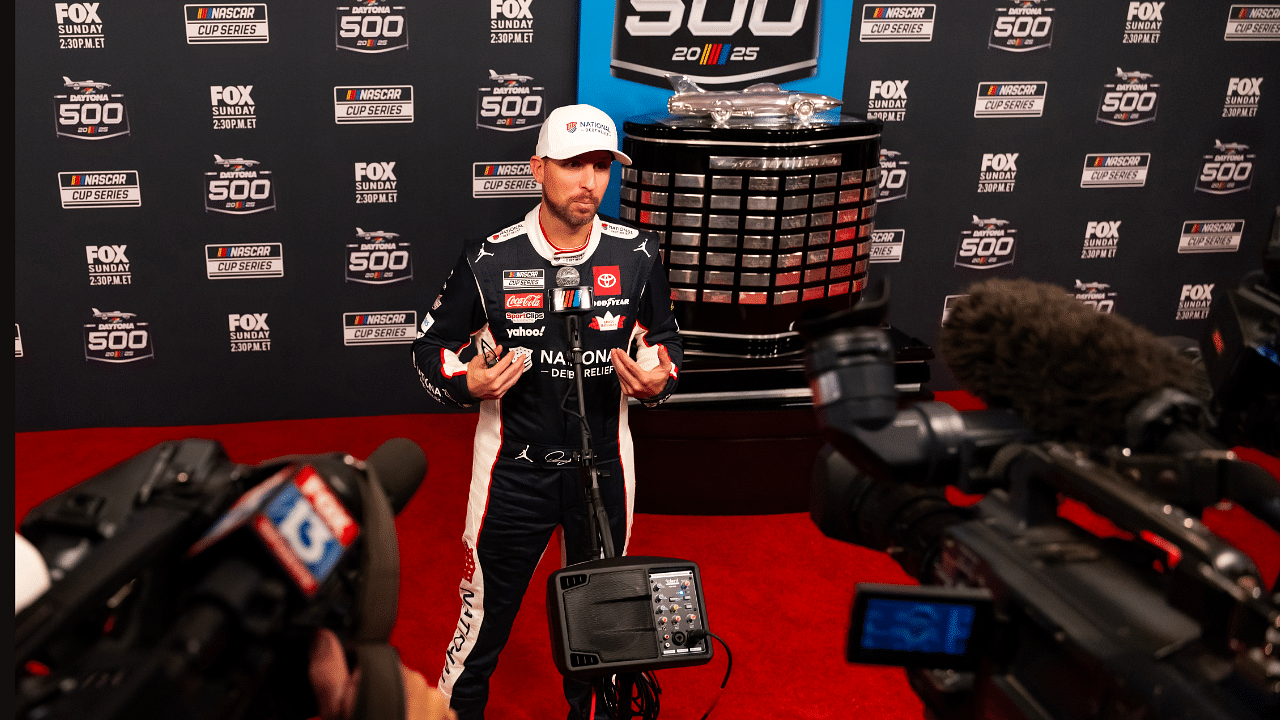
{"x": 401, "y": 466}
{"x": 1071, "y": 372}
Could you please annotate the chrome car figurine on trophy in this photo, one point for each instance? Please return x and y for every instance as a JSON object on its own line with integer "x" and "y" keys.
{"x": 760, "y": 100}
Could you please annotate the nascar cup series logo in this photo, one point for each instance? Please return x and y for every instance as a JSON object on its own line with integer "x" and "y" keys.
{"x": 1022, "y": 28}
{"x": 1228, "y": 169}
{"x": 510, "y": 103}
{"x": 372, "y": 26}
{"x": 1142, "y": 22}
{"x": 89, "y": 112}
{"x": 524, "y": 279}
{"x": 1130, "y": 101}
{"x": 226, "y": 24}
{"x": 991, "y": 245}
{"x": 886, "y": 245}
{"x": 893, "y": 176}
{"x": 117, "y": 337}
{"x": 503, "y": 179}
{"x": 391, "y": 327}
{"x": 1253, "y": 22}
{"x": 249, "y": 332}
{"x": 1210, "y": 236}
{"x": 233, "y": 107}
{"x": 510, "y": 21}
{"x": 1010, "y": 99}
{"x": 1101, "y": 239}
{"x": 372, "y": 104}
{"x": 1243, "y": 94}
{"x": 237, "y": 188}
{"x": 888, "y": 100}
{"x": 998, "y": 172}
{"x": 1096, "y": 295}
{"x": 897, "y": 23}
{"x": 79, "y": 26}
{"x": 108, "y": 265}
{"x": 725, "y": 46}
{"x": 376, "y": 182}
{"x": 101, "y": 189}
{"x": 378, "y": 259}
{"x": 255, "y": 260}
{"x": 1115, "y": 170}
{"x": 1194, "y": 301}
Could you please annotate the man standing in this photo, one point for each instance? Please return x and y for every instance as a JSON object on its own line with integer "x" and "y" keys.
{"x": 524, "y": 472}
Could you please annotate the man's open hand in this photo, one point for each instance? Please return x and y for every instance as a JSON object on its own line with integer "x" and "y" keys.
{"x": 491, "y": 383}
{"x": 640, "y": 383}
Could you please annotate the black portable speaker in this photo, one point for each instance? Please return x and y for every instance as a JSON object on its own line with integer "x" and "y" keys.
{"x": 627, "y": 615}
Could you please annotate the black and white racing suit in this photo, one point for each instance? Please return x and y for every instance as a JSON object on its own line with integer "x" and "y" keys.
{"x": 524, "y": 478}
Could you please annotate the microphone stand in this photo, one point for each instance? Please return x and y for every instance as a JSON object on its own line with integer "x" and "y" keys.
{"x": 601, "y": 534}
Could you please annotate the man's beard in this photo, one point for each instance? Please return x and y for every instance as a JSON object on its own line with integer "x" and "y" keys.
{"x": 568, "y": 215}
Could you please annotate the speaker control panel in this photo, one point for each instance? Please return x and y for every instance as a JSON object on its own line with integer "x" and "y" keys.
{"x": 677, "y": 611}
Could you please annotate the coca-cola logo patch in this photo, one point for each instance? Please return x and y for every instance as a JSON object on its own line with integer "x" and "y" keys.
{"x": 524, "y": 301}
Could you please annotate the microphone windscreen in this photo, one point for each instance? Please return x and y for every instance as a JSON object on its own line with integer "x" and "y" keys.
{"x": 400, "y": 466}
{"x": 1071, "y": 372}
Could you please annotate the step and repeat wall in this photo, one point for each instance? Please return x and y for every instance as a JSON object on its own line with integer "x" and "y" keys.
{"x": 1125, "y": 151}
{"x": 240, "y": 212}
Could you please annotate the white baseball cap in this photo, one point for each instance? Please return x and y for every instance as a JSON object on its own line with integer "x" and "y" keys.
{"x": 572, "y": 130}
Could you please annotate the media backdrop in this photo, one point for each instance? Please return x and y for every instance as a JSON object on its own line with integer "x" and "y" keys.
{"x": 240, "y": 212}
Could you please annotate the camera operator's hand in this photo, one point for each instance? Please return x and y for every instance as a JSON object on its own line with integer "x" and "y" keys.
{"x": 490, "y": 383}
{"x": 637, "y": 382}
{"x": 336, "y": 687}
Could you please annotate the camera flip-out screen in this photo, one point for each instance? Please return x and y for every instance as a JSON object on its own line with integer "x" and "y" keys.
{"x": 931, "y": 627}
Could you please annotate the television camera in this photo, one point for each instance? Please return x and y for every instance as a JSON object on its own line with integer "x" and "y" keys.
{"x": 1022, "y": 614}
{"x": 184, "y": 585}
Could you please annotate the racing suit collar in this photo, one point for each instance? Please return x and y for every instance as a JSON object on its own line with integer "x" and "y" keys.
{"x": 549, "y": 251}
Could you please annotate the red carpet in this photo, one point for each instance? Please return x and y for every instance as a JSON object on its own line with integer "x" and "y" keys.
{"x": 788, "y": 651}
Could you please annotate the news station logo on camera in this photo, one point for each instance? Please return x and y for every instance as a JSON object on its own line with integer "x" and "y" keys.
{"x": 998, "y": 172}
{"x": 503, "y": 179}
{"x": 1228, "y": 169}
{"x": 233, "y": 107}
{"x": 991, "y": 245}
{"x": 108, "y": 265}
{"x": 1115, "y": 170}
{"x": 376, "y": 182}
{"x": 1143, "y": 22}
{"x": 249, "y": 260}
{"x": 388, "y": 327}
{"x": 1243, "y": 94}
{"x": 372, "y": 104}
{"x": 1131, "y": 100}
{"x": 510, "y": 21}
{"x": 1022, "y": 28}
{"x": 226, "y": 24}
{"x": 308, "y": 530}
{"x": 373, "y": 26}
{"x": 1194, "y": 301}
{"x": 378, "y": 259}
{"x": 1096, "y": 295}
{"x": 1010, "y": 99}
{"x": 894, "y": 176}
{"x": 1101, "y": 239}
{"x": 722, "y": 47}
{"x": 239, "y": 187}
{"x": 89, "y": 112}
{"x": 249, "y": 332}
{"x": 79, "y": 26}
{"x": 1253, "y": 22}
{"x": 887, "y": 100}
{"x": 887, "y": 244}
{"x": 510, "y": 103}
{"x": 897, "y": 23}
{"x": 1210, "y": 236}
{"x": 117, "y": 337}
{"x": 100, "y": 189}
